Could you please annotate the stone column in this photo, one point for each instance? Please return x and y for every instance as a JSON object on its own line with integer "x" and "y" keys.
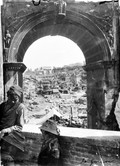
{"x": 1, "y": 60}
{"x": 13, "y": 75}
{"x": 95, "y": 95}
{"x": 116, "y": 46}
{"x": 100, "y": 78}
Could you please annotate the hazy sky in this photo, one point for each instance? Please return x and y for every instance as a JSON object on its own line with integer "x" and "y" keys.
{"x": 55, "y": 51}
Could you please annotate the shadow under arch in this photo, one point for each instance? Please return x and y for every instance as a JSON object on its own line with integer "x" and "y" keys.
{"x": 79, "y": 28}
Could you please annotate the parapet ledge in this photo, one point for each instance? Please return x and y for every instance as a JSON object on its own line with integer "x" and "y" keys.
{"x": 77, "y": 132}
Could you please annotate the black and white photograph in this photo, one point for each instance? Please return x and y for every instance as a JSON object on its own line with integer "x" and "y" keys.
{"x": 59, "y": 83}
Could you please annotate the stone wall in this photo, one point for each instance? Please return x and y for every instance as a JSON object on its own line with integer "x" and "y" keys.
{"x": 79, "y": 147}
{"x": 1, "y": 61}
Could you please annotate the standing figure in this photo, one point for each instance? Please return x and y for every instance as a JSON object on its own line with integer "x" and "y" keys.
{"x": 12, "y": 118}
{"x": 7, "y": 39}
{"x": 112, "y": 122}
{"x": 62, "y": 8}
{"x": 50, "y": 150}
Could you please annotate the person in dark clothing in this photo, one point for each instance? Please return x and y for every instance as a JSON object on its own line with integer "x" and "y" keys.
{"x": 112, "y": 122}
{"x": 12, "y": 118}
{"x": 117, "y": 108}
{"x": 50, "y": 150}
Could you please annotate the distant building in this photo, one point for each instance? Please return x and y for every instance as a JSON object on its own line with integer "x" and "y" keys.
{"x": 46, "y": 70}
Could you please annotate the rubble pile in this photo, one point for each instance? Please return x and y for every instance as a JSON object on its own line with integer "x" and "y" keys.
{"x": 71, "y": 106}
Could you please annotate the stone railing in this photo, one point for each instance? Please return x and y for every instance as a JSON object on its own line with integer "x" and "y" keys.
{"x": 79, "y": 147}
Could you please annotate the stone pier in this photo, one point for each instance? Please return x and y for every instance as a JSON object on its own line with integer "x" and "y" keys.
{"x": 1, "y": 59}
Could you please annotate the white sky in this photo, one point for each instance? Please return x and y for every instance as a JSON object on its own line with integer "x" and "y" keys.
{"x": 54, "y": 51}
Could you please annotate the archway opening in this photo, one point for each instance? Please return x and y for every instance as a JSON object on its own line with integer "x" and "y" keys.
{"x": 55, "y": 81}
{"x": 54, "y": 51}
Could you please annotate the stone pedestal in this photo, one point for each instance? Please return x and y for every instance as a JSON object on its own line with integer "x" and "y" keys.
{"x": 13, "y": 75}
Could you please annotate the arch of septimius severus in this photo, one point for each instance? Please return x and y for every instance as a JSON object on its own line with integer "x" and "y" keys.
{"x": 93, "y": 26}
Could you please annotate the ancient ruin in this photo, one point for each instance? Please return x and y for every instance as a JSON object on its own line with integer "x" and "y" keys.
{"x": 94, "y": 27}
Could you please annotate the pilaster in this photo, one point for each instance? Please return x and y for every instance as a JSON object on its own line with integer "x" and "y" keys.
{"x": 1, "y": 60}
{"x": 100, "y": 75}
{"x": 13, "y": 74}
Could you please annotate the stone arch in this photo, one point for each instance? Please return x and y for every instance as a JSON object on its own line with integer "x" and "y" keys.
{"x": 79, "y": 28}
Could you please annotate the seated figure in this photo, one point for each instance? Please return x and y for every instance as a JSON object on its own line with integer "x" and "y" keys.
{"x": 12, "y": 118}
